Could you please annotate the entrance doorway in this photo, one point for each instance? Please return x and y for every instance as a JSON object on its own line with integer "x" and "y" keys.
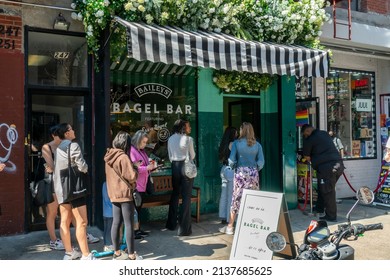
{"x": 45, "y": 111}
{"x": 238, "y": 110}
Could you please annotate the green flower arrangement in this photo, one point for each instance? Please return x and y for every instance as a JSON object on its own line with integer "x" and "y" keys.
{"x": 279, "y": 21}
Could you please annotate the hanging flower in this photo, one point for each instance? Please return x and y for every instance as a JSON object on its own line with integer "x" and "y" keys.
{"x": 281, "y": 21}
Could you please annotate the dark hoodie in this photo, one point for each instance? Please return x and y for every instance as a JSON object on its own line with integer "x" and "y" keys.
{"x": 119, "y": 164}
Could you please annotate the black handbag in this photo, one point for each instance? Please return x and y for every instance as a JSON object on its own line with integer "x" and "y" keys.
{"x": 41, "y": 190}
{"x": 75, "y": 184}
{"x": 150, "y": 185}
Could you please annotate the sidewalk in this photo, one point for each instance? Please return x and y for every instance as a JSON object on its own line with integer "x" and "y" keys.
{"x": 207, "y": 243}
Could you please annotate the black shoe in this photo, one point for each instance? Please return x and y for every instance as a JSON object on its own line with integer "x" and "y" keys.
{"x": 318, "y": 211}
{"x": 141, "y": 232}
{"x": 184, "y": 233}
{"x": 170, "y": 228}
{"x": 223, "y": 222}
{"x": 137, "y": 235}
{"x": 327, "y": 218}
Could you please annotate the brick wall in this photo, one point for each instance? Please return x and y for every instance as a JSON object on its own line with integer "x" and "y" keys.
{"x": 12, "y": 184}
{"x": 375, "y": 6}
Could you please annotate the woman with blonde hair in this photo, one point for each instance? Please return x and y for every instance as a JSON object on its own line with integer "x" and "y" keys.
{"x": 247, "y": 159}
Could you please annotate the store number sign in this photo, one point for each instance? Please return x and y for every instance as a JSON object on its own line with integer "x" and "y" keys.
{"x": 363, "y": 105}
{"x": 8, "y": 35}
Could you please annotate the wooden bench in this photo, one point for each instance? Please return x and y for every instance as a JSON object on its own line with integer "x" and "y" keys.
{"x": 162, "y": 195}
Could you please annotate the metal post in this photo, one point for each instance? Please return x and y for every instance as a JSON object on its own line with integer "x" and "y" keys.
{"x": 311, "y": 189}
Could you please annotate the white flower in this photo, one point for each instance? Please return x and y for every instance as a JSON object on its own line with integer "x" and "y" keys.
{"x": 212, "y": 10}
{"x": 149, "y": 18}
{"x": 79, "y": 16}
{"x": 225, "y": 9}
{"x": 90, "y": 28}
{"x": 164, "y": 15}
{"x": 73, "y": 15}
{"x": 106, "y": 3}
{"x": 141, "y": 8}
{"x": 73, "y": 6}
{"x": 99, "y": 13}
{"x": 128, "y": 6}
{"x": 141, "y": 1}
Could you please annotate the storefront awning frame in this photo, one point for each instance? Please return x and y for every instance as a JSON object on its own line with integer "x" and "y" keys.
{"x": 173, "y": 45}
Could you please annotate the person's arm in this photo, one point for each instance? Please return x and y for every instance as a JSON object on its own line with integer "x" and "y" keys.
{"x": 191, "y": 149}
{"x": 127, "y": 171}
{"x": 306, "y": 150}
{"x": 46, "y": 154}
{"x": 77, "y": 155}
{"x": 260, "y": 158}
{"x": 2, "y": 166}
{"x": 233, "y": 155}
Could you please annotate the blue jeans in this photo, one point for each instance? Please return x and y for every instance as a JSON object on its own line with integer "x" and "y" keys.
{"x": 225, "y": 201}
{"x": 107, "y": 230}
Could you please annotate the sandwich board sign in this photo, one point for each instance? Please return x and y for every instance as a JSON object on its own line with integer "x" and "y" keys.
{"x": 260, "y": 214}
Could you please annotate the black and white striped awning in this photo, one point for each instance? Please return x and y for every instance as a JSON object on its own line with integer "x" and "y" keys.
{"x": 172, "y": 45}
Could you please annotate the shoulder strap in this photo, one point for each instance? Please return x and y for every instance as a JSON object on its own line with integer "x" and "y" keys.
{"x": 127, "y": 183}
{"x": 37, "y": 169}
{"x": 69, "y": 162}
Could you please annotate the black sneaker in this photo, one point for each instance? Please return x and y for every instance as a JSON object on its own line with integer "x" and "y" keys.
{"x": 318, "y": 211}
{"x": 327, "y": 218}
{"x": 141, "y": 232}
{"x": 137, "y": 235}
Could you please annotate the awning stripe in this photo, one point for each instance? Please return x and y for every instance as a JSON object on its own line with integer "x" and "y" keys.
{"x": 172, "y": 45}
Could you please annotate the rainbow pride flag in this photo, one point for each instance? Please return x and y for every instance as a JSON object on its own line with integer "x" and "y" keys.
{"x": 302, "y": 117}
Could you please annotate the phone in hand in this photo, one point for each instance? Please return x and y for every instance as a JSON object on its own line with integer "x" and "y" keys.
{"x": 158, "y": 166}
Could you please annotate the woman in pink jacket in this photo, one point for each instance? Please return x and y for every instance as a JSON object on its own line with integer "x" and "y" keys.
{"x": 138, "y": 155}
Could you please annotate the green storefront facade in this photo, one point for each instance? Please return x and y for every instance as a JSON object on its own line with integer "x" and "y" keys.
{"x": 271, "y": 111}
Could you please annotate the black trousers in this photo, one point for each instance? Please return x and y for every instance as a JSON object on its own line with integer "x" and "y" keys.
{"x": 327, "y": 177}
{"x": 123, "y": 211}
{"x": 182, "y": 185}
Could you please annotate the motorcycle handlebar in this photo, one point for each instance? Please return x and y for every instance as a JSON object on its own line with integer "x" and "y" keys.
{"x": 359, "y": 228}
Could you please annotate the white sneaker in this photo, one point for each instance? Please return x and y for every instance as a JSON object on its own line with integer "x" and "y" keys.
{"x": 92, "y": 239}
{"x": 90, "y": 257}
{"x": 227, "y": 230}
{"x": 108, "y": 248}
{"x": 56, "y": 245}
{"x": 72, "y": 255}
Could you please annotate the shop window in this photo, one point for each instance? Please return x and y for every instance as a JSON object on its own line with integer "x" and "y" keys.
{"x": 303, "y": 87}
{"x": 57, "y": 60}
{"x": 351, "y": 111}
{"x": 355, "y": 4}
{"x": 151, "y": 97}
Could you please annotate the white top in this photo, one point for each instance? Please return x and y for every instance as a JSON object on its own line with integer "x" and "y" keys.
{"x": 178, "y": 145}
{"x": 388, "y": 143}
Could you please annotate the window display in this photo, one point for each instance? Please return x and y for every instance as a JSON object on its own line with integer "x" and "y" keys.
{"x": 351, "y": 111}
{"x": 152, "y": 101}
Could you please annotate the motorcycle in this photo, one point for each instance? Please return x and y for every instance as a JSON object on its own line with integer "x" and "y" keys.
{"x": 320, "y": 244}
